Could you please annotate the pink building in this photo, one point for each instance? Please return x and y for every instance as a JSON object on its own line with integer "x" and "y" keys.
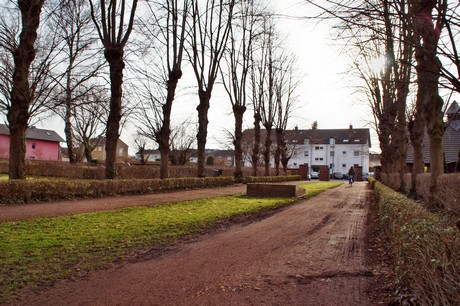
{"x": 41, "y": 144}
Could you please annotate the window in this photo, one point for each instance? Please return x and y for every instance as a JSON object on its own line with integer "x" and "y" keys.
{"x": 318, "y": 158}
{"x": 356, "y": 153}
{"x": 345, "y": 140}
{"x": 99, "y": 149}
{"x": 344, "y": 152}
{"x": 121, "y": 151}
{"x": 33, "y": 146}
{"x": 305, "y": 153}
{"x": 295, "y": 164}
{"x": 356, "y": 140}
{"x": 344, "y": 165}
{"x": 332, "y": 153}
{"x": 319, "y": 148}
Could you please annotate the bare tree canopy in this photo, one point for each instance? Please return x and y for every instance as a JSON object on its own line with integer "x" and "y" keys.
{"x": 114, "y": 28}
{"x": 210, "y": 26}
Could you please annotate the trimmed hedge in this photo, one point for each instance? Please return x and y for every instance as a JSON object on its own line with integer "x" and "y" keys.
{"x": 272, "y": 179}
{"x": 425, "y": 250}
{"x": 24, "y": 191}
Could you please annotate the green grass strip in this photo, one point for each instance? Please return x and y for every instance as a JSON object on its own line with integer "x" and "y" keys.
{"x": 43, "y": 250}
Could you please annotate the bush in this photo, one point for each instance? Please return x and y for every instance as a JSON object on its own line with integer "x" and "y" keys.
{"x": 23, "y": 191}
{"x": 272, "y": 179}
{"x": 425, "y": 250}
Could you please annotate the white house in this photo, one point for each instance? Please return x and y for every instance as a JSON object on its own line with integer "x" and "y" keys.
{"x": 337, "y": 148}
{"x": 150, "y": 155}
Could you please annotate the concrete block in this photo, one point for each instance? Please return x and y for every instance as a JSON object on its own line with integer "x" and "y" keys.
{"x": 274, "y": 190}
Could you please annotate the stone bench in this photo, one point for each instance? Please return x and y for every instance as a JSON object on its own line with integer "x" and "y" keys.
{"x": 274, "y": 190}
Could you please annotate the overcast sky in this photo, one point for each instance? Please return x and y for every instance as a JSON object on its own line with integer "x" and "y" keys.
{"x": 326, "y": 93}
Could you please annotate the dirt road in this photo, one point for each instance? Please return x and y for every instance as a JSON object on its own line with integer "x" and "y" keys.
{"x": 310, "y": 253}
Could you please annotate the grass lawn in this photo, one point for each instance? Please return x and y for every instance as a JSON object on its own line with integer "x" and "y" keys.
{"x": 43, "y": 250}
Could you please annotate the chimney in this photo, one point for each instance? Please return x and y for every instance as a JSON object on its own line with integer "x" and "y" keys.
{"x": 351, "y": 127}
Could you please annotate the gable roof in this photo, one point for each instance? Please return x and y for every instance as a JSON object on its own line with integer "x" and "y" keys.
{"x": 321, "y": 136}
{"x": 453, "y": 109}
{"x": 450, "y": 144}
{"x": 34, "y": 133}
{"x": 101, "y": 141}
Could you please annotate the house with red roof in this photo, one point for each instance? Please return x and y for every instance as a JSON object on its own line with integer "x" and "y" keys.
{"x": 41, "y": 144}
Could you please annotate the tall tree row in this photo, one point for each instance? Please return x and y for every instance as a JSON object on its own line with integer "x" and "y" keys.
{"x": 407, "y": 34}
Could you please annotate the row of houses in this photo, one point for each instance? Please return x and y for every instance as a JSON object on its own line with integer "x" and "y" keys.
{"x": 339, "y": 149}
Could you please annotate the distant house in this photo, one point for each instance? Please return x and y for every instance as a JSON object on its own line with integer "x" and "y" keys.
{"x": 149, "y": 155}
{"x": 41, "y": 144}
{"x": 221, "y": 157}
{"x": 450, "y": 141}
{"x": 100, "y": 154}
{"x": 339, "y": 149}
{"x": 374, "y": 160}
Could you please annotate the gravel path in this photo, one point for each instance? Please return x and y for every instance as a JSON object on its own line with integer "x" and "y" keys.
{"x": 315, "y": 252}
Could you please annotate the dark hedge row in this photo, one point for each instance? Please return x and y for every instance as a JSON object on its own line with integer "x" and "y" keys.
{"x": 272, "y": 179}
{"x": 23, "y": 191}
{"x": 425, "y": 249}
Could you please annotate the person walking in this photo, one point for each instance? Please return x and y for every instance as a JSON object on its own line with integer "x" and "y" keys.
{"x": 351, "y": 176}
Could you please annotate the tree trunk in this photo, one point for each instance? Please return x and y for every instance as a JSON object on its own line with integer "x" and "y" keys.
{"x": 416, "y": 129}
{"x": 238, "y": 112}
{"x": 68, "y": 113}
{"x": 279, "y": 148}
{"x": 202, "y": 134}
{"x": 256, "y": 148}
{"x": 18, "y": 113}
{"x": 68, "y": 130}
{"x": 114, "y": 57}
{"x": 165, "y": 132}
{"x": 435, "y": 128}
{"x": 88, "y": 151}
{"x": 401, "y": 98}
{"x": 268, "y": 144}
{"x": 428, "y": 71}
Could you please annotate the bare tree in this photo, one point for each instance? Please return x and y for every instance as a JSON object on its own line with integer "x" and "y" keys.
{"x": 18, "y": 114}
{"x": 140, "y": 143}
{"x": 73, "y": 20}
{"x": 182, "y": 141}
{"x": 238, "y": 60}
{"x": 114, "y": 32}
{"x": 428, "y": 21}
{"x": 384, "y": 64}
{"x": 285, "y": 85}
{"x": 167, "y": 31}
{"x": 450, "y": 50}
{"x": 267, "y": 103}
{"x": 89, "y": 117}
{"x": 209, "y": 32}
